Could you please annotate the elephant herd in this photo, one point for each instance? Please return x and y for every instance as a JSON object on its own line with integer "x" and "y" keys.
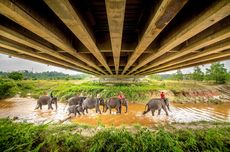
{"x": 80, "y": 105}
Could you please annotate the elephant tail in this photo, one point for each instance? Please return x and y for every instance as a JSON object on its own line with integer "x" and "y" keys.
{"x": 146, "y": 110}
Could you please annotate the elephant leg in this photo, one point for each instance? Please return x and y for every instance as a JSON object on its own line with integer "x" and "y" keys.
{"x": 164, "y": 108}
{"x": 86, "y": 110}
{"x": 106, "y": 108}
{"x": 118, "y": 109}
{"x": 153, "y": 111}
{"x": 109, "y": 109}
{"x": 98, "y": 109}
{"x": 159, "y": 111}
{"x": 75, "y": 113}
{"x": 40, "y": 106}
{"x": 78, "y": 112}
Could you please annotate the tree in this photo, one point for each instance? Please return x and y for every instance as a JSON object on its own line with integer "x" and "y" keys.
{"x": 198, "y": 74}
{"x": 155, "y": 77}
{"x": 15, "y": 75}
{"x": 217, "y": 72}
{"x": 177, "y": 76}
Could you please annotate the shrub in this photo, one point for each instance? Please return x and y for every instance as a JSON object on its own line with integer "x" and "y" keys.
{"x": 8, "y": 88}
{"x": 15, "y": 76}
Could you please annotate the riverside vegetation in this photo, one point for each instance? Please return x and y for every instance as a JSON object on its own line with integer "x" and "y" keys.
{"x": 139, "y": 92}
{"x": 29, "y": 137}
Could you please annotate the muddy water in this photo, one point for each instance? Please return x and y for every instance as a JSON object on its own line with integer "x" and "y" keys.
{"x": 23, "y": 108}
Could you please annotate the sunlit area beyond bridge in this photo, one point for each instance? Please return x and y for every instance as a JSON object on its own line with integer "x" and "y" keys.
{"x": 116, "y": 38}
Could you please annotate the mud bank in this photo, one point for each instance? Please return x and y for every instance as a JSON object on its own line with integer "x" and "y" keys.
{"x": 211, "y": 94}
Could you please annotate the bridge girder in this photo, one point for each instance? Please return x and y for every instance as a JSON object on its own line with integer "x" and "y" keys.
{"x": 116, "y": 38}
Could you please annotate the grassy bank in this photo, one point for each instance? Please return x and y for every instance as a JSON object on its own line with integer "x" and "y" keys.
{"x": 63, "y": 89}
{"x": 28, "y": 137}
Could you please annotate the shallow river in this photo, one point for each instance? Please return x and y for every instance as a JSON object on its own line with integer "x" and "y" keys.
{"x": 23, "y": 108}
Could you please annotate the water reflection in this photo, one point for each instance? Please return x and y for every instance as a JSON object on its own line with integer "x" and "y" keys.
{"x": 24, "y": 109}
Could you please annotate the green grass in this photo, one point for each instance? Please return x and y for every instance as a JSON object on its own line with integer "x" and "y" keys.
{"x": 29, "y": 137}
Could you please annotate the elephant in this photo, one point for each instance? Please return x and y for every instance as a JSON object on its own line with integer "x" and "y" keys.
{"x": 75, "y": 109}
{"x": 102, "y": 102}
{"x": 116, "y": 103}
{"x": 44, "y": 100}
{"x": 75, "y": 100}
{"x": 90, "y": 103}
{"x": 113, "y": 103}
{"x": 157, "y": 104}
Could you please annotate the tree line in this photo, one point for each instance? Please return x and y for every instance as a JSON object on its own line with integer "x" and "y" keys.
{"x": 27, "y": 75}
{"x": 216, "y": 73}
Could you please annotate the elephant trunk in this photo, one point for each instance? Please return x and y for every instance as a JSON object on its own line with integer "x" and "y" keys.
{"x": 168, "y": 108}
{"x": 56, "y": 105}
{"x": 36, "y": 107}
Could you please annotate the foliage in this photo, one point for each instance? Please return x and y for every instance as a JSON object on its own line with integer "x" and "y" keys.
{"x": 8, "y": 88}
{"x": 217, "y": 72}
{"x": 178, "y": 76}
{"x": 28, "y": 137}
{"x": 16, "y": 75}
{"x": 139, "y": 92}
{"x": 198, "y": 74}
{"x": 155, "y": 77}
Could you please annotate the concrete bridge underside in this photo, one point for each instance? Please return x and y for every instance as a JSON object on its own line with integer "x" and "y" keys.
{"x": 116, "y": 38}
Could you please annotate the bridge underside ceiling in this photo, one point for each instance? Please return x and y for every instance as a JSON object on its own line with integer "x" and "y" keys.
{"x": 116, "y": 38}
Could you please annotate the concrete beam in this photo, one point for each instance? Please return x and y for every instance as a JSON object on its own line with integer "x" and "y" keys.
{"x": 64, "y": 10}
{"x": 198, "y": 61}
{"x": 205, "y": 53}
{"x": 222, "y": 57}
{"x": 20, "y": 16}
{"x": 31, "y": 52}
{"x": 209, "y": 40}
{"x": 212, "y": 15}
{"x": 28, "y": 57}
{"x": 166, "y": 11}
{"x": 115, "y": 10}
{"x": 15, "y": 36}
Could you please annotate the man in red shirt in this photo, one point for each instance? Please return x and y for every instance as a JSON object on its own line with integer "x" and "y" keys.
{"x": 162, "y": 95}
{"x": 120, "y": 96}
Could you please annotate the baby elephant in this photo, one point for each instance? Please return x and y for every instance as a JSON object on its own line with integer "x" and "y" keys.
{"x": 75, "y": 109}
{"x": 157, "y": 104}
